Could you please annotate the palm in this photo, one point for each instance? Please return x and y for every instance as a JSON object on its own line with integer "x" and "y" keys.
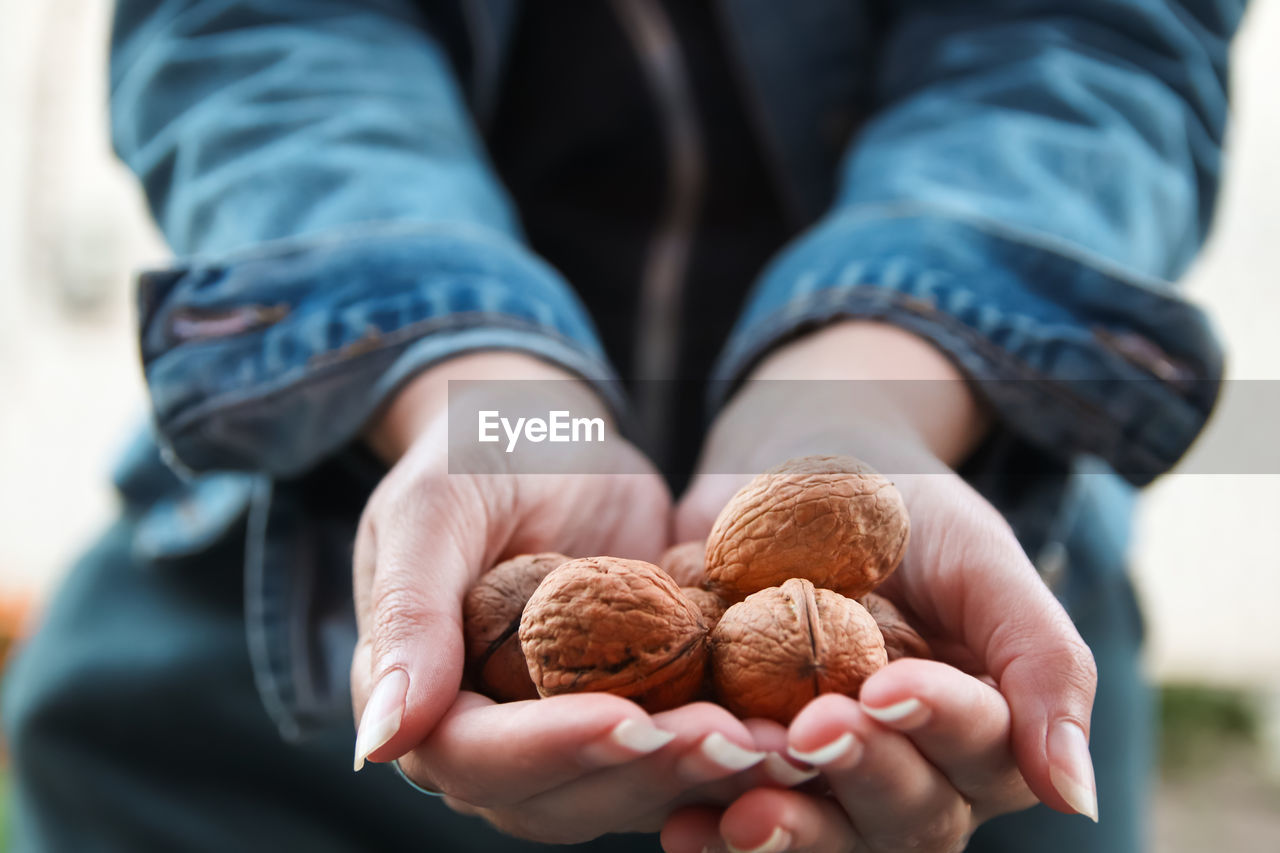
{"x": 621, "y": 509}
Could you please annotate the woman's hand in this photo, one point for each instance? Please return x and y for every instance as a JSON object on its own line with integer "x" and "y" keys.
{"x": 563, "y": 769}
{"x": 931, "y": 749}
{"x": 917, "y": 764}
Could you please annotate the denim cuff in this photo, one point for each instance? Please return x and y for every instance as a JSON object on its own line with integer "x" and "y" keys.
{"x": 271, "y": 359}
{"x": 1073, "y": 354}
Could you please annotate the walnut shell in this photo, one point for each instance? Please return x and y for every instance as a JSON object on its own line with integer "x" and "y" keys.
{"x": 616, "y": 626}
{"x": 900, "y": 639}
{"x": 781, "y": 647}
{"x": 686, "y": 562}
{"x": 830, "y": 519}
{"x": 711, "y": 605}
{"x": 491, "y": 618}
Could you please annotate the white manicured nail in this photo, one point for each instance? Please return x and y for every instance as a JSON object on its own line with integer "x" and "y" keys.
{"x": 1071, "y": 768}
{"x": 895, "y": 713}
{"x": 626, "y": 741}
{"x": 777, "y": 842}
{"x": 838, "y": 748}
{"x": 785, "y": 773}
{"x": 640, "y": 737}
{"x": 722, "y": 752}
{"x": 382, "y": 716}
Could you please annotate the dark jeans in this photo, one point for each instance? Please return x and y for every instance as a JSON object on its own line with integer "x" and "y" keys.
{"x": 134, "y": 724}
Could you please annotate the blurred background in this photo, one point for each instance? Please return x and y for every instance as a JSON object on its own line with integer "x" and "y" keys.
{"x": 73, "y": 229}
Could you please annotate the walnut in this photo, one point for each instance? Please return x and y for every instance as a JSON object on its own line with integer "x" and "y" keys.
{"x": 686, "y": 563}
{"x": 491, "y": 616}
{"x": 900, "y": 639}
{"x": 783, "y": 646}
{"x": 711, "y": 605}
{"x": 617, "y": 626}
{"x": 830, "y": 519}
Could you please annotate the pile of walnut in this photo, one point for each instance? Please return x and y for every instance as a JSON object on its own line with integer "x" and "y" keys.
{"x": 776, "y": 609}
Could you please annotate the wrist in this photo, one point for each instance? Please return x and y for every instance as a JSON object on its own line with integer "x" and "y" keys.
{"x": 901, "y": 387}
{"x": 423, "y": 402}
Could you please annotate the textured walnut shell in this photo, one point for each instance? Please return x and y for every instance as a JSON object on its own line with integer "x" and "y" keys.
{"x": 711, "y": 605}
{"x": 900, "y": 639}
{"x": 616, "y": 626}
{"x": 830, "y": 519}
{"x": 781, "y": 647}
{"x": 686, "y": 562}
{"x": 491, "y": 618}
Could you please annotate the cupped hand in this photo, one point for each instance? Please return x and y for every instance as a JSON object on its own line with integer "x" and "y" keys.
{"x": 917, "y": 763}
{"x": 930, "y": 749}
{"x": 563, "y": 769}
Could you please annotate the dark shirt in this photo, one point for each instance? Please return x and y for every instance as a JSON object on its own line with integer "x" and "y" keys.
{"x": 578, "y": 138}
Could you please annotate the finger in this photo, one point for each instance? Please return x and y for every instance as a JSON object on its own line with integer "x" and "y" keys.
{"x": 778, "y": 768}
{"x": 895, "y": 799}
{"x": 694, "y": 829}
{"x": 958, "y": 723}
{"x": 490, "y": 755}
{"x": 427, "y": 546}
{"x": 771, "y": 821}
{"x": 1007, "y": 615}
{"x": 363, "y": 562}
{"x": 710, "y": 758}
{"x": 1050, "y": 682}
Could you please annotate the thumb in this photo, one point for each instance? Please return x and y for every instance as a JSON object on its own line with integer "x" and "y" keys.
{"x": 414, "y": 564}
{"x": 975, "y": 579}
{"x": 1048, "y": 676}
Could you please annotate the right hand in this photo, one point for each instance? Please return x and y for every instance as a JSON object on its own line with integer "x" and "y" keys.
{"x": 1006, "y": 723}
{"x": 552, "y": 770}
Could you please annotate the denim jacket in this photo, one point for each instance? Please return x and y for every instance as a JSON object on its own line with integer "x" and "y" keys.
{"x": 1031, "y": 178}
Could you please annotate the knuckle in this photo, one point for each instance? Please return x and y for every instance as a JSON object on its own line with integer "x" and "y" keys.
{"x": 1074, "y": 668}
{"x": 396, "y": 618}
{"x": 1085, "y": 666}
{"x": 1058, "y": 653}
{"x": 1062, "y": 672}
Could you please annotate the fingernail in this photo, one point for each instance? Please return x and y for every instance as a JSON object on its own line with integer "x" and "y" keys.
{"x": 899, "y": 714}
{"x": 785, "y": 773}
{"x": 626, "y": 741}
{"x": 777, "y": 842}
{"x": 1071, "y": 768}
{"x": 640, "y": 737}
{"x": 833, "y": 751}
{"x": 721, "y": 751}
{"x": 381, "y": 718}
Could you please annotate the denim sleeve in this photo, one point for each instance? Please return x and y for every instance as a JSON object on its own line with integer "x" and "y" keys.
{"x": 313, "y": 165}
{"x": 1035, "y": 175}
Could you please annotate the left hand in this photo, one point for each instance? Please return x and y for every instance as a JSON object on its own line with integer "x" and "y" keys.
{"x": 930, "y": 749}
{"x": 564, "y": 769}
